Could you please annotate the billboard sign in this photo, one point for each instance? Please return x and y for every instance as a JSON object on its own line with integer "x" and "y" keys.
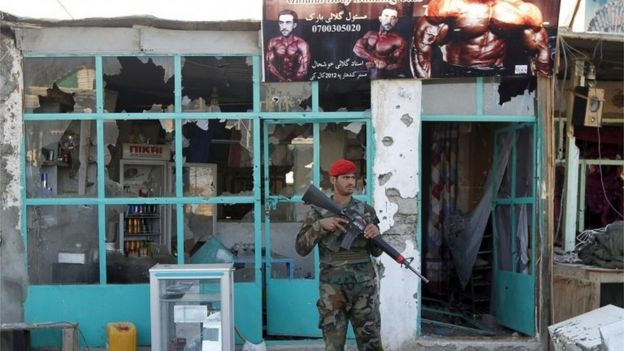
{"x": 373, "y": 39}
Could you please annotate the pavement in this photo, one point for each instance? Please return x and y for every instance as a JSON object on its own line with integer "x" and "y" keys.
{"x": 422, "y": 343}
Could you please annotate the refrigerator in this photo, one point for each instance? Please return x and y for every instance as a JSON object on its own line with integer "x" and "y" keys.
{"x": 144, "y": 229}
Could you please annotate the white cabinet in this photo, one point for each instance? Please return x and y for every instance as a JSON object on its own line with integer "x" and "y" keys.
{"x": 191, "y": 307}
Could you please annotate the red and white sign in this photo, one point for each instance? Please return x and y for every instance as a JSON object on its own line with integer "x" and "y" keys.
{"x": 146, "y": 151}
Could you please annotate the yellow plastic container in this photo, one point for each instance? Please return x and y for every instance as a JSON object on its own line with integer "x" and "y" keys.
{"x": 121, "y": 336}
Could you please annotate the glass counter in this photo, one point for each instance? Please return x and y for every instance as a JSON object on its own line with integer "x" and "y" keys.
{"x": 192, "y": 307}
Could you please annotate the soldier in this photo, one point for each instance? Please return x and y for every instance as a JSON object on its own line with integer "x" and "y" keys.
{"x": 348, "y": 282}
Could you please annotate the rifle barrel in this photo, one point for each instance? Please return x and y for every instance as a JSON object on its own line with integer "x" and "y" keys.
{"x": 407, "y": 265}
{"x": 392, "y": 252}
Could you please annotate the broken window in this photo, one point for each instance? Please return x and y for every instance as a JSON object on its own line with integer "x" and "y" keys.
{"x": 137, "y": 84}
{"x": 63, "y": 245}
{"x": 290, "y": 157}
{"x": 59, "y": 85}
{"x": 220, "y": 234}
{"x": 138, "y": 236}
{"x": 139, "y": 161}
{"x": 137, "y": 157}
{"x": 60, "y": 158}
{"x": 344, "y": 95}
{"x": 286, "y": 263}
{"x": 343, "y": 140}
{"x": 286, "y": 97}
{"x": 222, "y": 149}
{"x": 217, "y": 84}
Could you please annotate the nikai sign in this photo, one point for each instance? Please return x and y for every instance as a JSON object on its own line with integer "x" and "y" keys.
{"x": 146, "y": 151}
{"x": 372, "y": 39}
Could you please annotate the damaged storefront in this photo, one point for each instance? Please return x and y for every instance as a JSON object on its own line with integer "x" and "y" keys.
{"x": 148, "y": 142}
{"x": 589, "y": 192}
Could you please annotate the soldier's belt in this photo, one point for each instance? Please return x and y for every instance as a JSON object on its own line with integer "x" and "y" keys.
{"x": 349, "y": 256}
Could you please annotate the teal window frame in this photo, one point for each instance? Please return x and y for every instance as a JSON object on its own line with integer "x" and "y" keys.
{"x": 178, "y": 200}
{"x": 314, "y": 116}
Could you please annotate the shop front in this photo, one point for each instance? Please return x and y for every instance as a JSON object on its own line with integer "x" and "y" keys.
{"x": 165, "y": 147}
{"x": 139, "y": 156}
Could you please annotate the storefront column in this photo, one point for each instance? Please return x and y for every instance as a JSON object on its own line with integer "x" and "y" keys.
{"x": 396, "y": 121}
{"x": 13, "y": 277}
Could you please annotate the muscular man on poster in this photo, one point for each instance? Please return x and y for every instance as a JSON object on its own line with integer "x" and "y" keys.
{"x": 384, "y": 50}
{"x": 475, "y": 35}
{"x": 288, "y": 56}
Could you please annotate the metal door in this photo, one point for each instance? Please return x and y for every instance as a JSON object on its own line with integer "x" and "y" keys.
{"x": 297, "y": 154}
{"x": 513, "y": 218}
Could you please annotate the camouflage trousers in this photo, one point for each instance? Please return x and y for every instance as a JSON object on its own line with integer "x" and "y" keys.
{"x": 355, "y": 302}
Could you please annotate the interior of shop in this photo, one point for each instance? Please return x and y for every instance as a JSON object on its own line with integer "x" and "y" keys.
{"x": 140, "y": 155}
{"x": 456, "y": 167}
{"x": 589, "y": 169}
{"x": 589, "y": 110}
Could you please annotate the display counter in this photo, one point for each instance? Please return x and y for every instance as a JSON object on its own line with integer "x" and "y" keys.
{"x": 580, "y": 288}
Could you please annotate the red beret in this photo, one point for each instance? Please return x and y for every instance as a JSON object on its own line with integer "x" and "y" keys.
{"x": 340, "y": 167}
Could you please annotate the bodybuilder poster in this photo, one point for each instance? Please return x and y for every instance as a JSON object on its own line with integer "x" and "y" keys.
{"x": 372, "y": 39}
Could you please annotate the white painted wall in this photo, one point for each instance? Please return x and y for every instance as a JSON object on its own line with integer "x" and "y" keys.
{"x": 395, "y": 107}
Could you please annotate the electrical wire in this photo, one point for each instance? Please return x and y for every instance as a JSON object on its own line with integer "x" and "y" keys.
{"x": 564, "y": 51}
{"x": 66, "y": 11}
{"x": 604, "y": 192}
{"x": 571, "y": 54}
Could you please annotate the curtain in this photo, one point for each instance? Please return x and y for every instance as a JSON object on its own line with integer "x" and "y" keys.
{"x": 443, "y": 197}
{"x": 465, "y": 232}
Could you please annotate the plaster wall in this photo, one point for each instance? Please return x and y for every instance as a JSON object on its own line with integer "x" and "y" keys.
{"x": 395, "y": 107}
{"x": 64, "y": 40}
{"x": 13, "y": 276}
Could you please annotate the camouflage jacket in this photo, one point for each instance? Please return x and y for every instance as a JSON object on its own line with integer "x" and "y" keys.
{"x": 339, "y": 266}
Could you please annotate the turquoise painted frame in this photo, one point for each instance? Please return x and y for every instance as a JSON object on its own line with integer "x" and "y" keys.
{"x": 308, "y": 288}
{"x": 37, "y": 306}
{"x": 479, "y": 116}
{"x": 517, "y": 307}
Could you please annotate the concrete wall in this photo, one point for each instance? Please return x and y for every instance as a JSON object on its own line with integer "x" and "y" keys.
{"x": 395, "y": 107}
{"x": 139, "y": 39}
{"x": 13, "y": 275}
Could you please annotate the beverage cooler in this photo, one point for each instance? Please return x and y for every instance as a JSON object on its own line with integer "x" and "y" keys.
{"x": 191, "y": 307}
{"x": 145, "y": 172}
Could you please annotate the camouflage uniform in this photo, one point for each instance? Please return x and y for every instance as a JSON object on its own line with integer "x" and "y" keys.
{"x": 348, "y": 284}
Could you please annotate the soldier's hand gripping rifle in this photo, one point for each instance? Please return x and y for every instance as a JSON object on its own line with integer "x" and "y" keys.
{"x": 355, "y": 227}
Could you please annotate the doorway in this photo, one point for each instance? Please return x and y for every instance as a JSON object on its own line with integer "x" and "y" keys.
{"x": 477, "y": 229}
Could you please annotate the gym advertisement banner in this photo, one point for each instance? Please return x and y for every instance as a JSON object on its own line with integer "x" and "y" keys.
{"x": 374, "y": 39}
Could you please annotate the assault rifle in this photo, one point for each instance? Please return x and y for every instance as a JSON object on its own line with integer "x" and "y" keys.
{"x": 355, "y": 227}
